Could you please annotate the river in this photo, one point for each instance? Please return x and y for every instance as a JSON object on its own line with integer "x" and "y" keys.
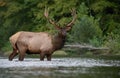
{"x": 72, "y": 67}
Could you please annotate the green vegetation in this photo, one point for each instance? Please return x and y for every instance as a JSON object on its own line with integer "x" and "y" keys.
{"x": 98, "y": 21}
{"x": 87, "y": 27}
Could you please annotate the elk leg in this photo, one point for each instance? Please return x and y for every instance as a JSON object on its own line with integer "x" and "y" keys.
{"x": 13, "y": 54}
{"x": 22, "y": 54}
{"x": 42, "y": 56}
{"x": 48, "y": 57}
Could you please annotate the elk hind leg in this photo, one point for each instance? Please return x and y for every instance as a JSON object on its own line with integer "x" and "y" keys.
{"x": 22, "y": 52}
{"x": 13, "y": 54}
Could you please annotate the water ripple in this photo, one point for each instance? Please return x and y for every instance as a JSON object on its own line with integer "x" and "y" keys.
{"x": 58, "y": 62}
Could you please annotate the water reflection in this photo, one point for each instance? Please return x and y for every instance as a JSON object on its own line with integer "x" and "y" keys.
{"x": 60, "y": 68}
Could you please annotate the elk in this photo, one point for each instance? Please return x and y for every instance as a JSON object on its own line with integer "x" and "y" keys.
{"x": 40, "y": 42}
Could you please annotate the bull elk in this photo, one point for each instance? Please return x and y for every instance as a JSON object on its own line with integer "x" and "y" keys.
{"x": 40, "y": 42}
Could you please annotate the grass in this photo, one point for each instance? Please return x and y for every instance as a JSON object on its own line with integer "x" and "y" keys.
{"x": 59, "y": 53}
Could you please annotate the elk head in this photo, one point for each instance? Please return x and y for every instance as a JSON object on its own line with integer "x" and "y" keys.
{"x": 67, "y": 27}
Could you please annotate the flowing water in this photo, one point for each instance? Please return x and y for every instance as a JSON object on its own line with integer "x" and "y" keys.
{"x": 73, "y": 67}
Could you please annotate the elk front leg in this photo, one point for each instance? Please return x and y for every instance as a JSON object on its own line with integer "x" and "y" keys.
{"x": 13, "y": 54}
{"x": 42, "y": 56}
{"x": 48, "y": 57}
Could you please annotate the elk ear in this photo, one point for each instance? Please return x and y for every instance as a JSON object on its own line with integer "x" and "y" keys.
{"x": 68, "y": 28}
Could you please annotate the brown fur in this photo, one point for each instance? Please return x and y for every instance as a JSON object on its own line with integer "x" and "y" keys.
{"x": 13, "y": 39}
{"x": 35, "y": 43}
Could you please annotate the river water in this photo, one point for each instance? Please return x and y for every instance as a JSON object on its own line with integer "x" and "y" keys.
{"x": 73, "y": 67}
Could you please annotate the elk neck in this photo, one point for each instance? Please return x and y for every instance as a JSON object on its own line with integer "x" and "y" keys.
{"x": 58, "y": 41}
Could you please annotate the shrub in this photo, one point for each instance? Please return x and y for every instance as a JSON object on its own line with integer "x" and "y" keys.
{"x": 87, "y": 29}
{"x": 113, "y": 43}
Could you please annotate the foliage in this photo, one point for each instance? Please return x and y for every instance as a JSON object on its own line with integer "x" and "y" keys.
{"x": 96, "y": 41}
{"x": 97, "y": 22}
{"x": 87, "y": 27}
{"x": 7, "y": 47}
{"x": 113, "y": 43}
{"x": 108, "y": 12}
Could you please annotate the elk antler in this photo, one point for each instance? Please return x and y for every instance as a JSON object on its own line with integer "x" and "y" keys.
{"x": 73, "y": 13}
{"x": 46, "y": 14}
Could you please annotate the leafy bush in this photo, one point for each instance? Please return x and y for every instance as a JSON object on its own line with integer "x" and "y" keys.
{"x": 113, "y": 43}
{"x": 87, "y": 29}
{"x": 96, "y": 41}
{"x": 6, "y": 47}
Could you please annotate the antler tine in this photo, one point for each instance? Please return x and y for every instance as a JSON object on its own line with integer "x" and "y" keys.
{"x": 46, "y": 14}
{"x": 73, "y": 13}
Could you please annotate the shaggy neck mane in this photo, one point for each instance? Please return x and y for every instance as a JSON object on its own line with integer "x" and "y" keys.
{"x": 58, "y": 41}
